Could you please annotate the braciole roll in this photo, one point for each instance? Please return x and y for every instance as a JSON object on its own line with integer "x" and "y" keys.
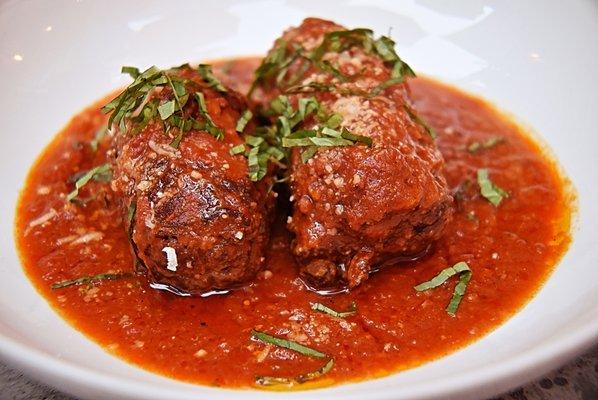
{"x": 197, "y": 221}
{"x": 366, "y": 177}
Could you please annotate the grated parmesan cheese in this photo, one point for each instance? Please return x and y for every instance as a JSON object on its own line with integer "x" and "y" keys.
{"x": 41, "y": 220}
{"x": 43, "y": 190}
{"x": 88, "y": 237}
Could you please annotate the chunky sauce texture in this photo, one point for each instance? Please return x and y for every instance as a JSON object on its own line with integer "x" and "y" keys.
{"x": 511, "y": 250}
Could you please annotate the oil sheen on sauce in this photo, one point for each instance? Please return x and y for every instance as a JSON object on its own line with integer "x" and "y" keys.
{"x": 511, "y": 250}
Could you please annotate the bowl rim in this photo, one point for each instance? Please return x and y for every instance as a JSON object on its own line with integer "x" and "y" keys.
{"x": 515, "y": 371}
{"x": 489, "y": 379}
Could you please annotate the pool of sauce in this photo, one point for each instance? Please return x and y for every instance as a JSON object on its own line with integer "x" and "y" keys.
{"x": 511, "y": 250}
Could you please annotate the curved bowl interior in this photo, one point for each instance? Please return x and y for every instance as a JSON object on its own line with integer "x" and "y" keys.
{"x": 69, "y": 53}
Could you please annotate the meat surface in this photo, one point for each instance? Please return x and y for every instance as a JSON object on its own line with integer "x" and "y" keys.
{"x": 197, "y": 222}
{"x": 355, "y": 207}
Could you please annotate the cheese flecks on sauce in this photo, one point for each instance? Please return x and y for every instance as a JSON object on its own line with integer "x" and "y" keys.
{"x": 88, "y": 237}
{"x": 41, "y": 220}
{"x": 171, "y": 259}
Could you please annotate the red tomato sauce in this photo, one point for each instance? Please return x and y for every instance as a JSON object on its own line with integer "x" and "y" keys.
{"x": 511, "y": 250}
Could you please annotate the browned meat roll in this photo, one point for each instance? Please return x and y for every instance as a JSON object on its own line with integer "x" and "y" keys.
{"x": 197, "y": 221}
{"x": 355, "y": 207}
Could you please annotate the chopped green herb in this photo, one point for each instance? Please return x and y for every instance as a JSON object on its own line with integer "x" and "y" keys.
{"x": 317, "y": 141}
{"x": 167, "y": 109}
{"x": 208, "y": 76}
{"x": 385, "y": 85}
{"x": 287, "y": 344}
{"x": 276, "y": 63}
{"x": 443, "y": 276}
{"x": 276, "y": 381}
{"x": 356, "y": 138}
{"x": 400, "y": 70}
{"x": 176, "y": 142}
{"x": 477, "y": 146}
{"x": 324, "y": 137}
{"x": 334, "y": 121}
{"x": 339, "y": 41}
{"x": 238, "y": 149}
{"x": 254, "y": 140}
{"x": 134, "y": 95}
{"x": 339, "y": 314}
{"x": 100, "y": 134}
{"x": 489, "y": 190}
{"x": 131, "y": 211}
{"x": 257, "y": 161}
{"x": 90, "y": 279}
{"x": 281, "y": 106}
{"x": 317, "y": 373}
{"x": 271, "y": 143}
{"x": 458, "y": 293}
{"x": 101, "y": 173}
{"x": 210, "y": 126}
{"x": 464, "y": 272}
{"x": 308, "y": 153}
{"x": 327, "y": 66}
{"x": 133, "y": 72}
{"x": 326, "y": 87}
{"x": 243, "y": 120}
{"x": 135, "y": 104}
{"x": 282, "y": 57}
{"x": 417, "y": 119}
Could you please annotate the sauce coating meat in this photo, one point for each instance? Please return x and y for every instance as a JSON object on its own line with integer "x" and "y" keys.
{"x": 197, "y": 223}
{"x": 357, "y": 207}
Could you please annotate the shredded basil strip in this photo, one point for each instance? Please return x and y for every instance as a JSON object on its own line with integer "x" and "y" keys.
{"x": 90, "y": 279}
{"x": 135, "y": 104}
{"x": 309, "y": 376}
{"x": 134, "y": 95}
{"x": 167, "y": 109}
{"x": 317, "y": 141}
{"x": 308, "y": 153}
{"x": 323, "y": 137}
{"x": 271, "y": 143}
{"x": 274, "y": 381}
{"x": 208, "y": 76}
{"x": 101, "y": 172}
{"x": 338, "y": 314}
{"x": 458, "y": 293}
{"x": 133, "y": 72}
{"x": 464, "y": 272}
{"x": 131, "y": 211}
{"x": 488, "y": 189}
{"x": 317, "y": 373}
{"x": 443, "y": 276}
{"x": 243, "y": 120}
{"x": 277, "y": 64}
{"x": 100, "y": 134}
{"x": 418, "y": 120}
{"x": 238, "y": 149}
{"x": 287, "y": 344}
{"x": 477, "y": 146}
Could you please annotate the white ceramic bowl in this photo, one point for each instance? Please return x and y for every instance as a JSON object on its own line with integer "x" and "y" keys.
{"x": 535, "y": 59}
